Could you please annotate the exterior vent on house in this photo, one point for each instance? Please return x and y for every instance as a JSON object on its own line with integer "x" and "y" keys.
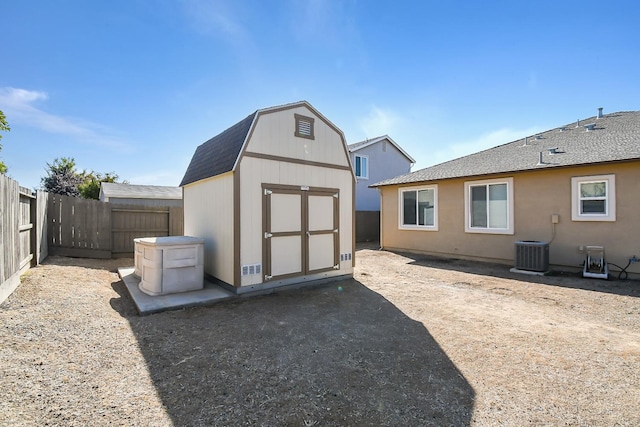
{"x": 532, "y": 255}
{"x": 590, "y": 127}
{"x": 600, "y": 113}
{"x": 538, "y": 136}
{"x": 540, "y": 161}
{"x": 526, "y": 141}
{"x": 562, "y": 129}
{"x": 553, "y": 150}
{"x": 577, "y": 124}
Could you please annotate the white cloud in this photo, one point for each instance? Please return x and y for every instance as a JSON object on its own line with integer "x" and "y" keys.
{"x": 379, "y": 122}
{"x": 325, "y": 22}
{"x": 208, "y": 16}
{"x": 19, "y": 105}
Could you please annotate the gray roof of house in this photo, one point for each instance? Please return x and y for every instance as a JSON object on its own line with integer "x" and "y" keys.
{"x": 219, "y": 154}
{"x": 129, "y": 191}
{"x": 358, "y": 145}
{"x": 615, "y": 137}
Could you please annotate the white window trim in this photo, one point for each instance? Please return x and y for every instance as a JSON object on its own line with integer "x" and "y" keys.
{"x": 402, "y": 226}
{"x": 510, "y": 205}
{"x": 354, "y": 165}
{"x": 610, "y": 201}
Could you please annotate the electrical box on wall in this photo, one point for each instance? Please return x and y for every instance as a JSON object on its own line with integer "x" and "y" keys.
{"x": 555, "y": 218}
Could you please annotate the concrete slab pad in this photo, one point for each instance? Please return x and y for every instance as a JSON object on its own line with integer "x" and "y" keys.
{"x": 147, "y": 304}
{"x": 530, "y": 273}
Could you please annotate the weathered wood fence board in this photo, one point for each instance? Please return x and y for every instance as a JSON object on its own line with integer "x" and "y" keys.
{"x": 94, "y": 229}
{"x": 367, "y": 226}
{"x": 75, "y": 227}
{"x": 41, "y": 242}
{"x": 19, "y": 228}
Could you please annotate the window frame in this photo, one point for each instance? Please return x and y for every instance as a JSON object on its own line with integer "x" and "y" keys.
{"x": 610, "y": 198}
{"x": 300, "y": 118}
{"x": 355, "y": 160}
{"x": 401, "y": 192}
{"x": 510, "y": 206}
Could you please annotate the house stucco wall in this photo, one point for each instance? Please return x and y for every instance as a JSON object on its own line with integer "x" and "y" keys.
{"x": 385, "y": 161}
{"x": 537, "y": 195}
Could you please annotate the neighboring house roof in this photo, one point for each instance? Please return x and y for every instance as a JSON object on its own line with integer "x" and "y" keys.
{"x": 614, "y": 137}
{"x": 367, "y": 142}
{"x": 129, "y": 191}
{"x": 220, "y": 154}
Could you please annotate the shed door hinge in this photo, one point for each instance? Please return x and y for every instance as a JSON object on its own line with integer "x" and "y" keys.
{"x": 267, "y": 192}
{"x": 336, "y": 267}
{"x": 336, "y": 195}
{"x": 267, "y": 277}
{"x": 267, "y": 235}
{"x": 335, "y": 231}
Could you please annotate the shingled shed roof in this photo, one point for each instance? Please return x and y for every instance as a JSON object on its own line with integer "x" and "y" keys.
{"x": 219, "y": 154}
{"x": 610, "y": 138}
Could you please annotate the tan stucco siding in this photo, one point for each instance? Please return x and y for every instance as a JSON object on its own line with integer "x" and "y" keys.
{"x": 537, "y": 195}
{"x": 273, "y": 135}
{"x": 254, "y": 172}
{"x": 208, "y": 214}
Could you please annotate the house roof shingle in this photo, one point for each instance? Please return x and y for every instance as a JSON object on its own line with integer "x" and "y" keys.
{"x": 129, "y": 191}
{"x": 615, "y": 137}
{"x": 219, "y": 154}
{"x": 367, "y": 142}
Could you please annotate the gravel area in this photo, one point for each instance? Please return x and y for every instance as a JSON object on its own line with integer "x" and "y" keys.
{"x": 411, "y": 340}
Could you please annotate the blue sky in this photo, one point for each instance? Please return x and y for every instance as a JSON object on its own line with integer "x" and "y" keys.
{"x": 134, "y": 86}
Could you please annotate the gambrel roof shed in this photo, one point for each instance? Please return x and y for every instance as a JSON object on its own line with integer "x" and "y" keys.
{"x": 272, "y": 197}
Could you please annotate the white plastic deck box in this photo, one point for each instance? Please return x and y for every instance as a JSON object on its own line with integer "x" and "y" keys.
{"x": 170, "y": 264}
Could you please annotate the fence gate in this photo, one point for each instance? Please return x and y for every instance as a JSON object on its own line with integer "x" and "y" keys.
{"x": 130, "y": 223}
{"x": 94, "y": 229}
{"x": 17, "y": 234}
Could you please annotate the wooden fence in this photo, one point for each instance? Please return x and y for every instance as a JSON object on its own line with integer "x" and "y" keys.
{"x": 22, "y": 233}
{"x": 94, "y": 229}
{"x": 367, "y": 226}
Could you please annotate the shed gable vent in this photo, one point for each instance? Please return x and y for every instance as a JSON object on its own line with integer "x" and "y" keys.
{"x": 304, "y": 126}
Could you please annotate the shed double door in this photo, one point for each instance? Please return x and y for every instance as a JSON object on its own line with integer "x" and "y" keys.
{"x": 301, "y": 231}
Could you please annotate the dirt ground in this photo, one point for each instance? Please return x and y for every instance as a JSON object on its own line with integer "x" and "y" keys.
{"x": 410, "y": 340}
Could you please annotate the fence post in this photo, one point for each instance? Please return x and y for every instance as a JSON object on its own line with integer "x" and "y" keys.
{"x": 33, "y": 215}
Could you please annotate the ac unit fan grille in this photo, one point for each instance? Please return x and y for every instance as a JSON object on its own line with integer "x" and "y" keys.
{"x": 532, "y": 256}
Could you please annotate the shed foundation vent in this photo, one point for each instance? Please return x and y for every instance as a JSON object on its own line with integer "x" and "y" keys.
{"x": 532, "y": 255}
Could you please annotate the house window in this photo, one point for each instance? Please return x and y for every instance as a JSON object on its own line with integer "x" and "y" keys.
{"x": 362, "y": 167}
{"x": 304, "y": 126}
{"x": 593, "y": 198}
{"x": 489, "y": 206}
{"x": 417, "y": 208}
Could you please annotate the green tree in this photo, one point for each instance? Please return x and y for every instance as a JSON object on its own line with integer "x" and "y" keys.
{"x": 4, "y": 126}
{"x": 90, "y": 187}
{"x": 62, "y": 177}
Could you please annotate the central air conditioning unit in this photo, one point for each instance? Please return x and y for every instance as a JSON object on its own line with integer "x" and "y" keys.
{"x": 532, "y": 255}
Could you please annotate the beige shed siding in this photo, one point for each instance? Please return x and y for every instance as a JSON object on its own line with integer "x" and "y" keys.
{"x": 537, "y": 195}
{"x": 274, "y": 135}
{"x": 208, "y": 213}
{"x": 254, "y": 172}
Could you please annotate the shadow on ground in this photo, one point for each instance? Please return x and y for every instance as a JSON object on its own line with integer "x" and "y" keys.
{"x": 339, "y": 354}
{"x": 563, "y": 279}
